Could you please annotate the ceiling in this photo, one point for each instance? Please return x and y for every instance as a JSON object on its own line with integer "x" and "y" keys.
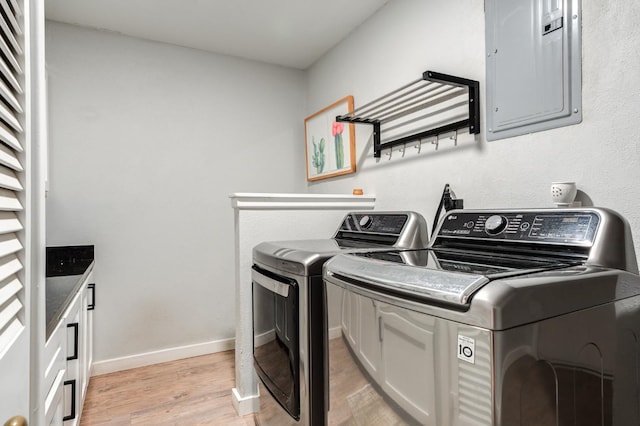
{"x": 291, "y": 33}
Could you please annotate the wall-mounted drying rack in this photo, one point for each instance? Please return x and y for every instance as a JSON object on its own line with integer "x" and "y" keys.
{"x": 426, "y": 108}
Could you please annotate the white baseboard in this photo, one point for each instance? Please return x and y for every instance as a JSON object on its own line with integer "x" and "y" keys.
{"x": 264, "y": 338}
{"x": 246, "y": 405}
{"x": 335, "y": 332}
{"x": 163, "y": 355}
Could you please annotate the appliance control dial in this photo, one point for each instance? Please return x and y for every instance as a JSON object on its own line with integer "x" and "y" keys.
{"x": 495, "y": 224}
{"x": 365, "y": 221}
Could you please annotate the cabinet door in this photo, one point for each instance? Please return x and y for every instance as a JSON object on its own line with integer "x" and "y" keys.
{"x": 83, "y": 349}
{"x": 85, "y": 344}
{"x": 407, "y": 361}
{"x": 55, "y": 357}
{"x": 89, "y": 305}
{"x": 54, "y": 402}
{"x": 73, "y": 379}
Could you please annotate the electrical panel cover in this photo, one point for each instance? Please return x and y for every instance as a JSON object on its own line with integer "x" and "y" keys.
{"x": 533, "y": 66}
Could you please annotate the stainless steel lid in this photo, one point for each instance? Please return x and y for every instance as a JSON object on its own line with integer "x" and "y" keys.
{"x": 358, "y": 232}
{"x": 433, "y": 275}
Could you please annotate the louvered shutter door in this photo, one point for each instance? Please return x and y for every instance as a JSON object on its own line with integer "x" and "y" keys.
{"x": 11, "y": 176}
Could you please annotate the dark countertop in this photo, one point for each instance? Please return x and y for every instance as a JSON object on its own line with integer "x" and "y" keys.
{"x": 67, "y": 268}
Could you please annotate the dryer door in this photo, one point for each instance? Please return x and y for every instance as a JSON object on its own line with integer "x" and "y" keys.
{"x": 276, "y": 353}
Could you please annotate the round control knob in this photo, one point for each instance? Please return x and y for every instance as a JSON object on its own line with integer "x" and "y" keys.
{"x": 365, "y": 221}
{"x": 495, "y": 224}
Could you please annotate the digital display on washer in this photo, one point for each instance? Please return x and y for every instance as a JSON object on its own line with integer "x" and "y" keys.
{"x": 574, "y": 228}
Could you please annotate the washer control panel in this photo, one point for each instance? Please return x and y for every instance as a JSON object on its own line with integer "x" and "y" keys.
{"x": 572, "y": 227}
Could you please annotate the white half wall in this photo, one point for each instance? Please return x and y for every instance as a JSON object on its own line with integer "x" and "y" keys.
{"x": 147, "y": 141}
{"x": 269, "y": 217}
{"x": 407, "y": 37}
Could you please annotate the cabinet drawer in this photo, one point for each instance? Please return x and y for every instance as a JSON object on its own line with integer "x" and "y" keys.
{"x": 55, "y": 354}
{"x": 53, "y": 409}
{"x": 72, "y": 321}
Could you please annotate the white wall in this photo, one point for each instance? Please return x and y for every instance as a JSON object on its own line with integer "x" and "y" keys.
{"x": 407, "y": 37}
{"x": 147, "y": 141}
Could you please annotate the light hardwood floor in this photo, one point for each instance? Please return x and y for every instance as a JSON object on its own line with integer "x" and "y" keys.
{"x": 193, "y": 391}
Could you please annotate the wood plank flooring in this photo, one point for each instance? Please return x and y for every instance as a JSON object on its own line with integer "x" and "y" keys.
{"x": 193, "y": 391}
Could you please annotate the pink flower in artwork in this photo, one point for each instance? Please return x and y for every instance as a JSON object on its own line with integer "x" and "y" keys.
{"x": 337, "y": 128}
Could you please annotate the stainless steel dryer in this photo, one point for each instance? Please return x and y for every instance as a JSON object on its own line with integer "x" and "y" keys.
{"x": 289, "y": 310}
{"x": 509, "y": 318}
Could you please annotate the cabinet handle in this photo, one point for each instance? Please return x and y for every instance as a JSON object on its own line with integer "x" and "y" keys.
{"x": 73, "y": 400}
{"x": 74, "y": 325}
{"x": 91, "y": 306}
{"x": 380, "y": 328}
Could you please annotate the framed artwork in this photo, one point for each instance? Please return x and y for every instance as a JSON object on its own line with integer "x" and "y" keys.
{"x": 330, "y": 145}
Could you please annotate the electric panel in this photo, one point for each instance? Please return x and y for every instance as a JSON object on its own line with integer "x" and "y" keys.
{"x": 533, "y": 66}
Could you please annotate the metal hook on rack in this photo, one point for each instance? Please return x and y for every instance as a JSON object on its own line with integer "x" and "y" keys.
{"x": 418, "y": 146}
{"x": 389, "y": 153}
{"x": 436, "y": 141}
{"x": 454, "y": 138}
{"x": 401, "y": 150}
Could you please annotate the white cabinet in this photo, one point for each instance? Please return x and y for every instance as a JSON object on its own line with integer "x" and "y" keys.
{"x": 88, "y": 301}
{"x": 55, "y": 353}
{"x": 79, "y": 320}
{"x": 69, "y": 358}
{"x": 54, "y": 404}
{"x": 73, "y": 379}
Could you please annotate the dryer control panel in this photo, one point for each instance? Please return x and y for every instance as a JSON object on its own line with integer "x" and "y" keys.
{"x": 374, "y": 222}
{"x": 401, "y": 229}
